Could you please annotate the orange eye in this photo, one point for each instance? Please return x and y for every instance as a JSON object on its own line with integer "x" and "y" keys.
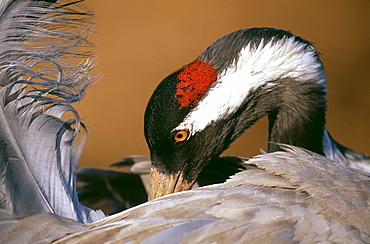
{"x": 181, "y": 135}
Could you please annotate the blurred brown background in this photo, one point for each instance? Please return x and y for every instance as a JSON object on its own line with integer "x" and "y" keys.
{"x": 138, "y": 43}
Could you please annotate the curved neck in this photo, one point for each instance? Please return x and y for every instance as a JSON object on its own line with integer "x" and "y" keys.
{"x": 299, "y": 117}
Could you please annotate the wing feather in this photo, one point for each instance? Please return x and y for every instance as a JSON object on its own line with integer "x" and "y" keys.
{"x": 44, "y": 67}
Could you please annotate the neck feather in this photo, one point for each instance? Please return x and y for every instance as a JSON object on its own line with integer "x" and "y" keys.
{"x": 299, "y": 117}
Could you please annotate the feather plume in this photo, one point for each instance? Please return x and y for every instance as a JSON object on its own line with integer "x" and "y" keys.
{"x": 44, "y": 67}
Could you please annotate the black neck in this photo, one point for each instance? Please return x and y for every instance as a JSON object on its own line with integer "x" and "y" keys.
{"x": 299, "y": 118}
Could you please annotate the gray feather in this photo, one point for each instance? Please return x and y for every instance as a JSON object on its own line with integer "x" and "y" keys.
{"x": 283, "y": 197}
{"x": 286, "y": 197}
{"x": 43, "y": 69}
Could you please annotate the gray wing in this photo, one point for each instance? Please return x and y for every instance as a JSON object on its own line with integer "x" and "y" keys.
{"x": 294, "y": 196}
{"x": 286, "y": 197}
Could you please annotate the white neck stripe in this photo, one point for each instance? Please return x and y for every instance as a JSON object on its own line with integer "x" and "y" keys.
{"x": 276, "y": 60}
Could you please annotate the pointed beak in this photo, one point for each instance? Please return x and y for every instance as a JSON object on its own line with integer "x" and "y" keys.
{"x": 162, "y": 184}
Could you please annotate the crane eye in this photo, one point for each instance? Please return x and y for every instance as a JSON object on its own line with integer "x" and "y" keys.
{"x": 181, "y": 135}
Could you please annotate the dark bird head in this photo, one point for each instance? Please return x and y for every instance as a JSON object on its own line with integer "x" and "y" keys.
{"x": 198, "y": 111}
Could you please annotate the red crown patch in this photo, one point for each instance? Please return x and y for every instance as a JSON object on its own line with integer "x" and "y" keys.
{"x": 195, "y": 79}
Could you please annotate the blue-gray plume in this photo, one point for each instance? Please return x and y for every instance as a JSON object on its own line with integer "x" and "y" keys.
{"x": 44, "y": 67}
